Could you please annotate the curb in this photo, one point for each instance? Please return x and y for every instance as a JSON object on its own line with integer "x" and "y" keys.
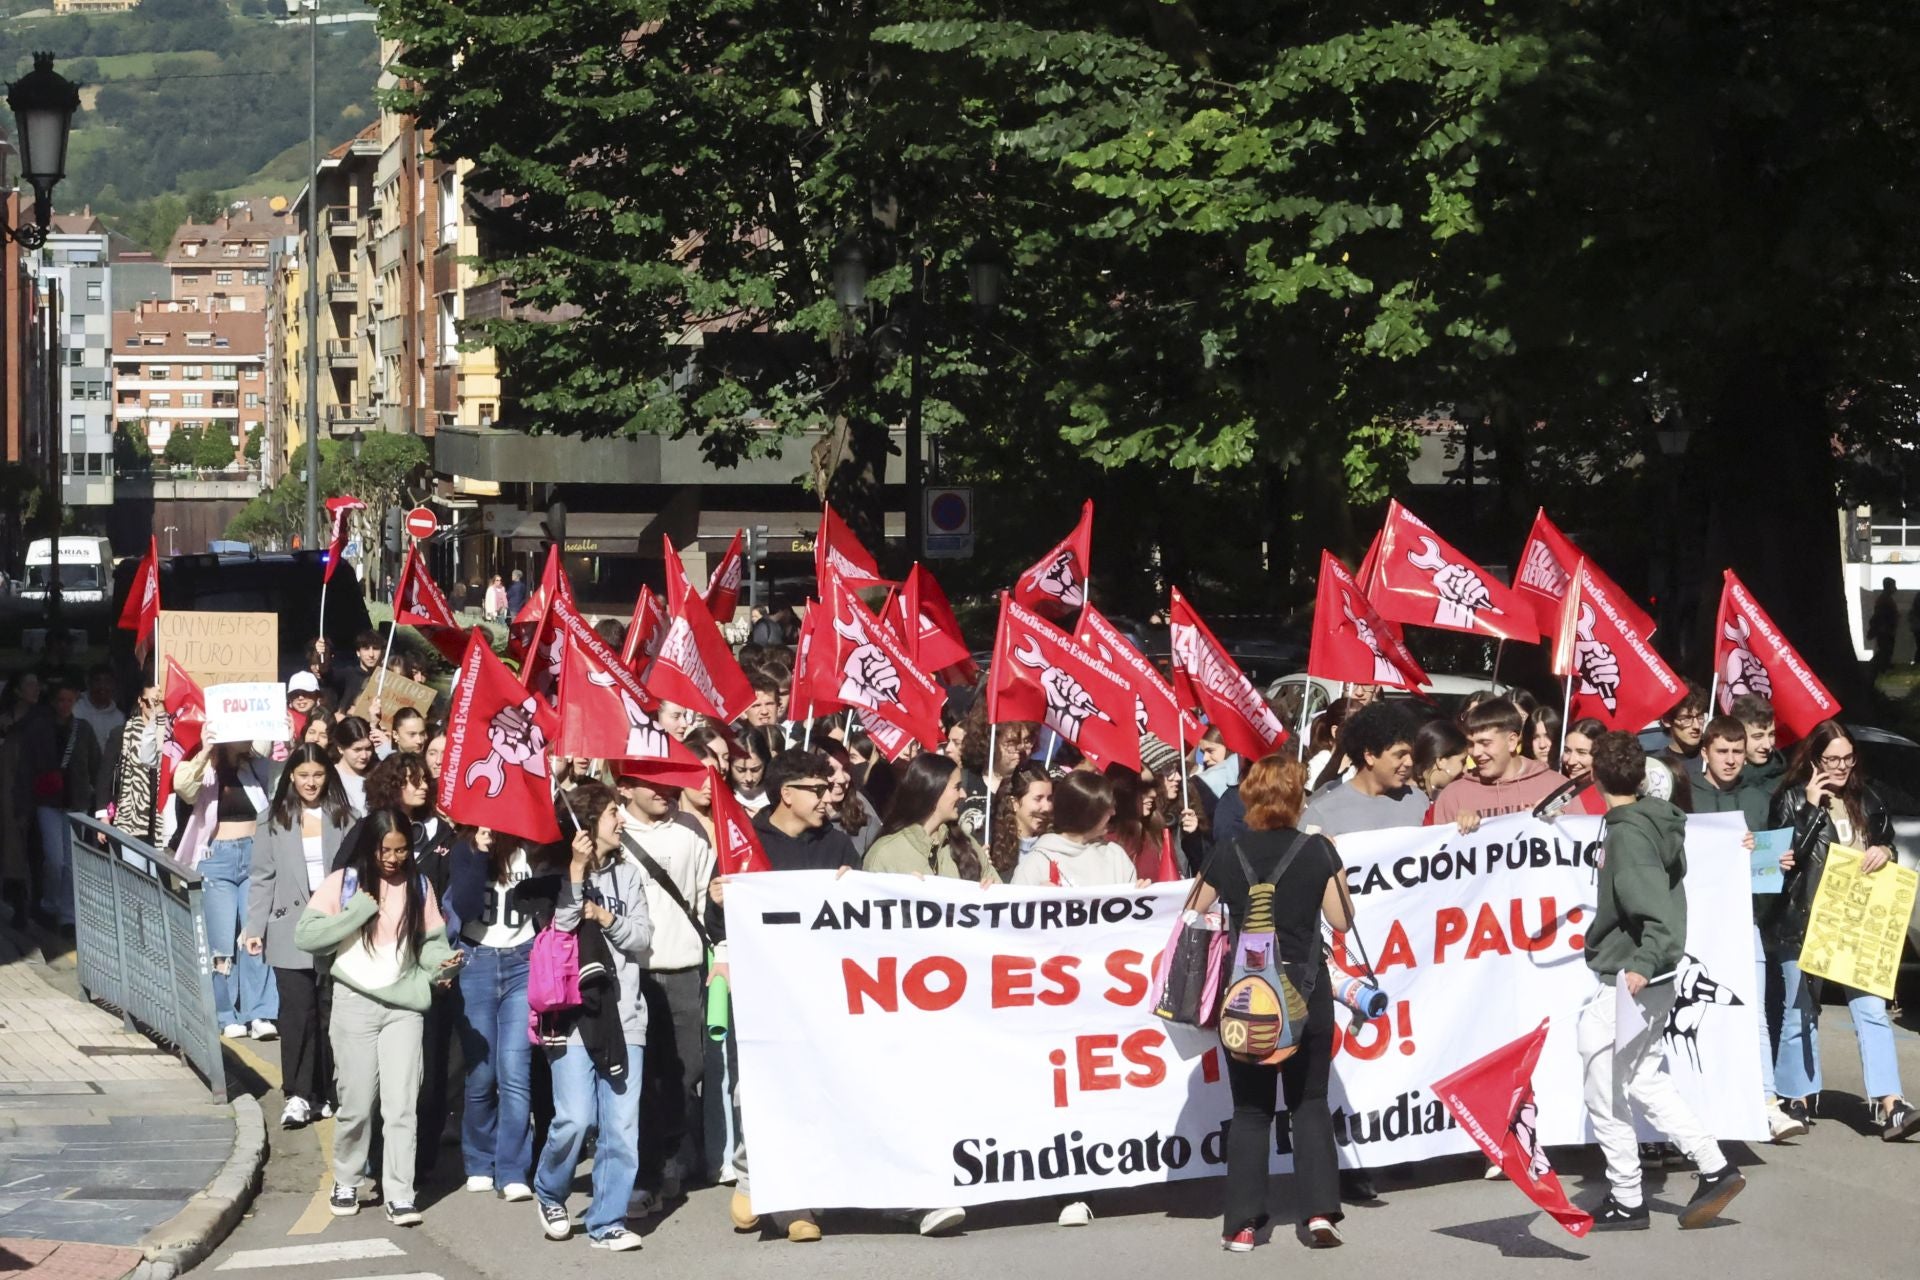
{"x": 185, "y": 1239}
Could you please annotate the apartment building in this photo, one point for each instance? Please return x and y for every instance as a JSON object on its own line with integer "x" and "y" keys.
{"x": 222, "y": 265}
{"x": 343, "y": 188}
{"x": 175, "y": 368}
{"x": 74, "y": 271}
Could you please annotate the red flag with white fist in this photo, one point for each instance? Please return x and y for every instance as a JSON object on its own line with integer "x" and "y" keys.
{"x": 1546, "y": 567}
{"x": 1751, "y": 656}
{"x": 1618, "y": 679}
{"x": 1493, "y": 1100}
{"x": 816, "y": 681}
{"x": 1057, "y": 582}
{"x": 874, "y": 672}
{"x": 1351, "y": 643}
{"x": 606, "y": 715}
{"x": 1156, "y": 710}
{"x": 498, "y": 737}
{"x": 1421, "y": 580}
{"x": 723, "y": 584}
{"x": 1039, "y": 673}
{"x": 837, "y": 551}
{"x": 1206, "y": 676}
{"x": 417, "y": 602}
{"x": 696, "y": 667}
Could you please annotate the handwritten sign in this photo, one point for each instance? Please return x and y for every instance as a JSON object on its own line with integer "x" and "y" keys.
{"x": 248, "y": 711}
{"x": 1768, "y": 847}
{"x": 1859, "y": 923}
{"x": 222, "y": 648}
{"x": 395, "y": 693}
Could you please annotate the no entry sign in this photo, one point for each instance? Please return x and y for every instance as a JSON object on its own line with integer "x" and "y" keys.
{"x": 421, "y": 522}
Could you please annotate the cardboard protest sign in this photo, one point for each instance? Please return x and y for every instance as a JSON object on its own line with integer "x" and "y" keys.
{"x": 1768, "y": 846}
{"x": 395, "y": 693}
{"x": 246, "y": 711}
{"x": 222, "y": 648}
{"x": 1859, "y": 923}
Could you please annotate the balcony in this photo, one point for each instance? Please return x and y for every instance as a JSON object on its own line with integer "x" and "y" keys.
{"x": 342, "y": 222}
{"x": 340, "y": 354}
{"x": 342, "y": 288}
{"x": 345, "y": 419}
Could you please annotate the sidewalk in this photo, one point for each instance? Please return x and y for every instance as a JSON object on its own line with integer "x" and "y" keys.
{"x": 106, "y": 1139}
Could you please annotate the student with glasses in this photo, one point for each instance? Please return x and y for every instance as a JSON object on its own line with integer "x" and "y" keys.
{"x": 1826, "y": 799}
{"x": 1686, "y": 727}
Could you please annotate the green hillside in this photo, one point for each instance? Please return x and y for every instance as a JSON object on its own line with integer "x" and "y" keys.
{"x": 186, "y": 99}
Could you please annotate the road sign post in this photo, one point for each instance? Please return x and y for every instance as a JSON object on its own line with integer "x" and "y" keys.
{"x": 422, "y": 523}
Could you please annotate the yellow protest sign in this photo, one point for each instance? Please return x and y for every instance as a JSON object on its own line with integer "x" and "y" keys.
{"x": 1859, "y": 922}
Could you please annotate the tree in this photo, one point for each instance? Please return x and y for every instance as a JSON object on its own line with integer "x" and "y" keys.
{"x": 214, "y": 450}
{"x": 132, "y": 454}
{"x": 203, "y": 206}
{"x": 255, "y": 439}
{"x": 182, "y": 447}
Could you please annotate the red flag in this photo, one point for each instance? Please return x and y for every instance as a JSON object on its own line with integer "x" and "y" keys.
{"x": 891, "y": 739}
{"x": 1041, "y": 674}
{"x": 737, "y": 846}
{"x": 417, "y": 602}
{"x": 606, "y": 715}
{"x": 816, "y": 681}
{"x": 1493, "y": 1101}
{"x": 1423, "y": 581}
{"x": 1169, "y": 868}
{"x": 1751, "y": 656}
{"x": 920, "y": 615}
{"x": 186, "y": 707}
{"x": 142, "y": 609}
{"x": 498, "y": 736}
{"x": 873, "y": 670}
{"x": 1368, "y": 564}
{"x": 836, "y": 551}
{"x": 1155, "y": 710}
{"x": 1057, "y": 583}
{"x": 1546, "y": 566}
{"x": 338, "y": 510}
{"x": 1350, "y": 641}
{"x": 695, "y": 667}
{"x": 1617, "y": 677}
{"x": 1205, "y": 676}
{"x": 645, "y": 632}
{"x": 723, "y": 584}
{"x": 553, "y": 586}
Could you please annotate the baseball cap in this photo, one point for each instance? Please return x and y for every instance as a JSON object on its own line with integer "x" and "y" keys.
{"x": 303, "y": 682}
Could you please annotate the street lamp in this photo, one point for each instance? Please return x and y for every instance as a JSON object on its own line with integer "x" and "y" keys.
{"x": 43, "y": 102}
{"x": 987, "y": 274}
{"x": 170, "y": 530}
{"x": 852, "y": 264}
{"x": 359, "y": 439}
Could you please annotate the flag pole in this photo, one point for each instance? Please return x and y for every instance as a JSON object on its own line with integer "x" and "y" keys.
{"x": 1499, "y": 652}
{"x": 1713, "y": 693}
{"x": 323, "y": 608}
{"x": 993, "y": 749}
{"x": 1566, "y": 710}
{"x": 380, "y": 689}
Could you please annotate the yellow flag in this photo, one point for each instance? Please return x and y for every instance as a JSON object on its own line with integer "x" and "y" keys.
{"x": 1859, "y": 923}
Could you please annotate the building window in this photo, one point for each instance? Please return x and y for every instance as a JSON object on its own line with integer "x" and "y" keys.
{"x": 77, "y": 325}
{"x": 191, "y": 249}
{"x": 486, "y": 415}
{"x": 93, "y": 291}
{"x": 253, "y": 399}
{"x": 193, "y": 372}
{"x": 193, "y": 400}
{"x": 254, "y": 277}
{"x": 230, "y": 250}
{"x": 225, "y": 371}
{"x": 159, "y": 399}
{"x": 159, "y": 372}
{"x": 76, "y": 356}
{"x": 223, "y": 277}
{"x": 251, "y": 375}
{"x": 190, "y": 281}
{"x": 233, "y": 304}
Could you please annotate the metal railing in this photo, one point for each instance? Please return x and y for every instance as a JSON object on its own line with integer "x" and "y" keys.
{"x": 140, "y": 942}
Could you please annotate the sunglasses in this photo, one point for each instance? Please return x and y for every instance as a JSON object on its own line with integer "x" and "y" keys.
{"x": 817, "y": 790}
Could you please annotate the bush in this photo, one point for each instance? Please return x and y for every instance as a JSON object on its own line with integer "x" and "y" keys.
{"x": 215, "y": 449}
{"x": 182, "y": 447}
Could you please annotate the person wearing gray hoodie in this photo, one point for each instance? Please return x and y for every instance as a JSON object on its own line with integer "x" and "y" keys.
{"x": 606, "y": 890}
{"x": 1634, "y": 946}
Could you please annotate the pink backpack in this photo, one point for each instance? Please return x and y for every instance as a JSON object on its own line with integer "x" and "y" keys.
{"x": 553, "y": 972}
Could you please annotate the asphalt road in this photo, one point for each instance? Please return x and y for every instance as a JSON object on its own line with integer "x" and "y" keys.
{"x": 1837, "y": 1202}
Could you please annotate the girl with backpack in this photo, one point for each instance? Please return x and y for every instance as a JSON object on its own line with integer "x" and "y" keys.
{"x": 1275, "y": 878}
{"x": 377, "y": 919}
{"x": 292, "y": 851}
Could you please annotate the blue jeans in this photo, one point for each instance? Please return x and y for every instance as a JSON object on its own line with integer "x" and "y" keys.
{"x": 1770, "y": 988}
{"x": 247, "y": 992}
{"x": 583, "y": 1101}
{"x": 496, "y": 1130}
{"x": 1797, "y": 1071}
{"x": 56, "y": 863}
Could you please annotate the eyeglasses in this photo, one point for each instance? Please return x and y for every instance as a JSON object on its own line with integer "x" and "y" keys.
{"x": 817, "y": 790}
{"x": 1837, "y": 762}
{"x": 1690, "y": 718}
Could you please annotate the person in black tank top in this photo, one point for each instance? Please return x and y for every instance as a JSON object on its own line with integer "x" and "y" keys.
{"x": 1310, "y": 888}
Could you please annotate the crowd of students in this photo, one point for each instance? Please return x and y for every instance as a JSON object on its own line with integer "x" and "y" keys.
{"x": 393, "y": 954}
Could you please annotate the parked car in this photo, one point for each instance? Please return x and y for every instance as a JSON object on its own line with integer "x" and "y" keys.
{"x": 1445, "y": 693}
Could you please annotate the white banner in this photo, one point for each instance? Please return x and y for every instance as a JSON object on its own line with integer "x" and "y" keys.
{"x": 914, "y": 1043}
{"x": 249, "y": 711}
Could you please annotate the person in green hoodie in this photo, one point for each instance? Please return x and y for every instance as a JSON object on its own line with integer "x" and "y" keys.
{"x": 1765, "y": 764}
{"x": 921, "y": 835}
{"x": 378, "y": 920}
{"x": 1636, "y": 940}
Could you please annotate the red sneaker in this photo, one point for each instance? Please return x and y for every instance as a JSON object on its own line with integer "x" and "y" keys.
{"x": 1240, "y": 1241}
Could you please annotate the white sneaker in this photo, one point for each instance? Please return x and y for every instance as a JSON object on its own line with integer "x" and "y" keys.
{"x": 516, "y": 1192}
{"x": 936, "y": 1222}
{"x": 1077, "y": 1214}
{"x": 261, "y": 1029}
{"x": 234, "y": 1031}
{"x": 1781, "y": 1124}
{"x": 1494, "y": 1173}
{"x": 296, "y": 1114}
{"x": 479, "y": 1182}
{"x": 1322, "y": 1234}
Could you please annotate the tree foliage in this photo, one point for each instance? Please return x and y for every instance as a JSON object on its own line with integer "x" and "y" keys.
{"x": 391, "y": 471}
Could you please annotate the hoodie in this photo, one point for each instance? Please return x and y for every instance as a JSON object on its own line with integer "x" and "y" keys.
{"x": 622, "y": 890}
{"x": 1640, "y": 921}
{"x": 1078, "y": 866}
{"x": 1529, "y": 785}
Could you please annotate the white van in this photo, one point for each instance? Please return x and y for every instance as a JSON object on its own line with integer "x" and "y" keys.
{"x": 85, "y": 568}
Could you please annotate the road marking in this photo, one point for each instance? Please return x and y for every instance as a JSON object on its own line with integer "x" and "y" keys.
{"x": 318, "y": 1215}
{"x": 243, "y": 1050}
{"x": 294, "y": 1255}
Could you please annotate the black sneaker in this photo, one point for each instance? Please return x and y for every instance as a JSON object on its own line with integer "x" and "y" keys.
{"x": 1653, "y": 1155}
{"x": 1356, "y": 1186}
{"x": 403, "y": 1213}
{"x": 1898, "y": 1121}
{"x": 1715, "y": 1192}
{"x": 344, "y": 1202}
{"x": 554, "y": 1220}
{"x": 1614, "y": 1216}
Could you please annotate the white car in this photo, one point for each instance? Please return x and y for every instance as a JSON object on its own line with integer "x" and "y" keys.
{"x": 1446, "y": 691}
